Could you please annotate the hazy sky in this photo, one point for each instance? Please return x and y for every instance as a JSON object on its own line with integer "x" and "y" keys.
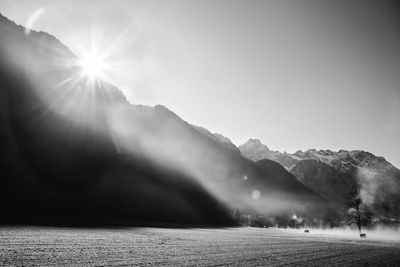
{"x": 295, "y": 74}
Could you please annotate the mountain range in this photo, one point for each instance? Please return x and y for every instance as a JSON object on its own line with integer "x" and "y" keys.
{"x": 334, "y": 175}
{"x": 77, "y": 151}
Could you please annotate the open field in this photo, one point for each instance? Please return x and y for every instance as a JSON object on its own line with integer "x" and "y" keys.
{"x": 41, "y": 246}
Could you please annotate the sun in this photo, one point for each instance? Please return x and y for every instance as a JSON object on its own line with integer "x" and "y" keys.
{"x": 99, "y": 60}
{"x": 93, "y": 66}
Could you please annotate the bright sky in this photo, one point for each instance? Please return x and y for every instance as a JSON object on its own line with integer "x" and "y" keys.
{"x": 295, "y": 74}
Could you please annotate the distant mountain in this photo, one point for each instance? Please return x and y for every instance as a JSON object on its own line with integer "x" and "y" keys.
{"x": 73, "y": 149}
{"x": 345, "y": 160}
{"x": 333, "y": 174}
{"x": 254, "y": 150}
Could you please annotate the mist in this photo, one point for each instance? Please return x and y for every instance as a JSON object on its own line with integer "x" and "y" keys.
{"x": 379, "y": 186}
{"x": 377, "y": 233}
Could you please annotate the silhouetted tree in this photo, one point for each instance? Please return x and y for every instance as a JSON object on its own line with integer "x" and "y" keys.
{"x": 358, "y": 213}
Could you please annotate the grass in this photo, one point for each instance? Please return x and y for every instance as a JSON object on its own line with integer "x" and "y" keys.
{"x": 44, "y": 246}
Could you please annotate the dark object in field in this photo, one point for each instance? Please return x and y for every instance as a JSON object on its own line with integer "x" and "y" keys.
{"x": 306, "y": 231}
{"x": 363, "y": 235}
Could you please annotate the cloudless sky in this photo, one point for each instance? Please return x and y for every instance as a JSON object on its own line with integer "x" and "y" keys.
{"x": 294, "y": 74}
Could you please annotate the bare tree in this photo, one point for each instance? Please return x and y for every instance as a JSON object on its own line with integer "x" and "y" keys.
{"x": 358, "y": 213}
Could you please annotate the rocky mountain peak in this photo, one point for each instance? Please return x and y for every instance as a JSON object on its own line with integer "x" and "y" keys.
{"x": 254, "y": 141}
{"x": 254, "y": 150}
{"x": 343, "y": 160}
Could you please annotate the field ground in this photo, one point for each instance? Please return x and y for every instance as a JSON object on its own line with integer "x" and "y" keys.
{"x": 41, "y": 246}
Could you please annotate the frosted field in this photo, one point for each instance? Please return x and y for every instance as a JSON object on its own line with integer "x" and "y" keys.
{"x": 41, "y": 246}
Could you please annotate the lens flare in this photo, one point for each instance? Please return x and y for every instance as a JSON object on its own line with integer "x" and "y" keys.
{"x": 33, "y": 18}
{"x": 256, "y": 194}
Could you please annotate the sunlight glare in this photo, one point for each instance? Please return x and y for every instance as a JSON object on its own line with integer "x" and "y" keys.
{"x": 93, "y": 66}
{"x": 105, "y": 58}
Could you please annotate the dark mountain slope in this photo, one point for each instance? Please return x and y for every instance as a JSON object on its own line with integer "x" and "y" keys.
{"x": 55, "y": 164}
